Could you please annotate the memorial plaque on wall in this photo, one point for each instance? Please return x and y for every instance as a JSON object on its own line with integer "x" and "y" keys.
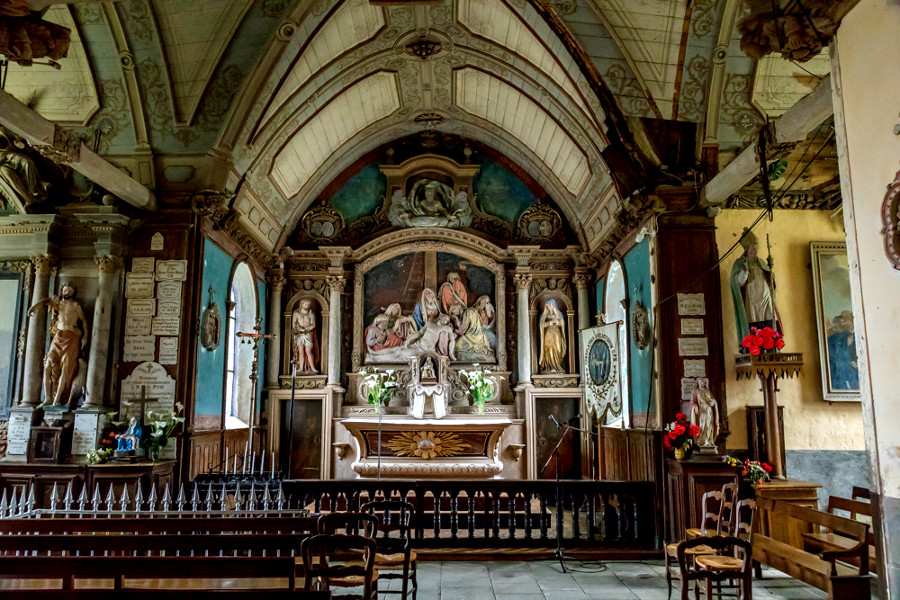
{"x": 168, "y": 291}
{"x": 695, "y": 367}
{"x": 159, "y": 385}
{"x": 18, "y": 433}
{"x": 142, "y": 307}
{"x": 691, "y": 304}
{"x": 691, "y": 326}
{"x": 168, "y": 350}
{"x": 84, "y": 435}
{"x": 168, "y": 309}
{"x": 143, "y": 264}
{"x": 166, "y": 325}
{"x": 137, "y": 324}
{"x": 693, "y": 347}
{"x": 157, "y": 242}
{"x": 139, "y": 285}
{"x": 171, "y": 270}
{"x": 688, "y": 385}
{"x": 139, "y": 348}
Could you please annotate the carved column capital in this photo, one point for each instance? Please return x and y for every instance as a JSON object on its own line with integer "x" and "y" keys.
{"x": 581, "y": 281}
{"x": 336, "y": 283}
{"x": 522, "y": 281}
{"x": 109, "y": 264}
{"x": 43, "y": 264}
{"x": 276, "y": 279}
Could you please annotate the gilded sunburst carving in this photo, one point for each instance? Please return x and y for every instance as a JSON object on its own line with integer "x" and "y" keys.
{"x": 427, "y": 444}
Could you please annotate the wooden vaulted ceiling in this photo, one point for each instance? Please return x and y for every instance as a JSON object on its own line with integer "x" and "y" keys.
{"x": 280, "y": 96}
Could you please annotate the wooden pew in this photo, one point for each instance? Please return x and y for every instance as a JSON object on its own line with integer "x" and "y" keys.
{"x": 117, "y": 524}
{"x": 828, "y": 540}
{"x": 826, "y": 570}
{"x": 80, "y": 572}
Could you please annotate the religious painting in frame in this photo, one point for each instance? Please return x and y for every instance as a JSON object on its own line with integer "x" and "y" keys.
{"x": 601, "y": 372}
{"x": 548, "y": 435}
{"x": 835, "y": 321}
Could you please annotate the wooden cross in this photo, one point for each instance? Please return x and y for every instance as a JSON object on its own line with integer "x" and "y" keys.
{"x": 141, "y": 401}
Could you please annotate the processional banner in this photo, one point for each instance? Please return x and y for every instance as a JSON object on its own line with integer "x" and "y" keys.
{"x": 601, "y": 372}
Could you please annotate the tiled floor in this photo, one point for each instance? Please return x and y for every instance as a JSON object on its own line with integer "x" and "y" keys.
{"x": 545, "y": 581}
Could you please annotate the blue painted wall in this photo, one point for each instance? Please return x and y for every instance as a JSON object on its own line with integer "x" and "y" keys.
{"x": 501, "y": 193}
{"x": 601, "y": 290}
{"x": 211, "y": 365}
{"x": 637, "y": 274}
{"x": 361, "y": 195}
{"x": 261, "y": 291}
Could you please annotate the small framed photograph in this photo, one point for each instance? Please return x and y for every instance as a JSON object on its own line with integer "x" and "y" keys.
{"x": 44, "y": 444}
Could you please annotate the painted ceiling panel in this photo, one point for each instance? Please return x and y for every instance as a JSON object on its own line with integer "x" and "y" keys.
{"x": 195, "y": 35}
{"x": 485, "y": 96}
{"x": 353, "y": 23}
{"x": 493, "y": 20}
{"x": 68, "y": 96}
{"x": 779, "y": 83}
{"x": 350, "y": 112}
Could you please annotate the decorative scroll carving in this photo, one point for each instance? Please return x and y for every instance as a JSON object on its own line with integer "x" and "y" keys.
{"x": 276, "y": 280}
{"x": 21, "y": 266}
{"x": 554, "y": 284}
{"x": 43, "y": 264}
{"x": 541, "y": 223}
{"x": 109, "y": 264}
{"x": 890, "y": 218}
{"x": 790, "y": 201}
{"x": 581, "y": 281}
{"x": 322, "y": 222}
{"x": 522, "y": 281}
{"x": 66, "y": 146}
{"x": 423, "y": 48}
{"x": 429, "y": 469}
{"x": 336, "y": 283}
{"x": 214, "y": 204}
{"x": 628, "y": 219}
{"x": 796, "y": 30}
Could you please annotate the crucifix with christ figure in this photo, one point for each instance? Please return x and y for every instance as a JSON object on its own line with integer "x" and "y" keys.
{"x": 254, "y": 338}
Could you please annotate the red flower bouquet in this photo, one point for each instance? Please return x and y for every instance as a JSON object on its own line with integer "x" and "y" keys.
{"x": 763, "y": 340}
{"x": 680, "y": 434}
{"x": 751, "y": 470}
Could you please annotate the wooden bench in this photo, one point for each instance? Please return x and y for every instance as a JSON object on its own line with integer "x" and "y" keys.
{"x": 117, "y": 524}
{"x": 89, "y": 572}
{"x": 826, "y": 570}
{"x": 829, "y": 540}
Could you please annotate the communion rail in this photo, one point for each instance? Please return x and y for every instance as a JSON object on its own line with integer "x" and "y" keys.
{"x": 609, "y": 515}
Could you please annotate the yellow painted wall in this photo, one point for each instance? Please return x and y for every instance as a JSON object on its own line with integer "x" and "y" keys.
{"x": 810, "y": 423}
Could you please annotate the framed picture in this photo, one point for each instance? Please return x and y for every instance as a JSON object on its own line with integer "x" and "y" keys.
{"x": 835, "y": 321}
{"x": 45, "y": 445}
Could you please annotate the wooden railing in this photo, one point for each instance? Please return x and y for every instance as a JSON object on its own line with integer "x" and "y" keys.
{"x": 496, "y": 513}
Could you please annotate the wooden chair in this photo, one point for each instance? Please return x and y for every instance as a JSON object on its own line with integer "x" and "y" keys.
{"x": 393, "y": 541}
{"x": 322, "y": 571}
{"x": 711, "y": 524}
{"x": 708, "y": 569}
{"x": 744, "y": 514}
{"x": 350, "y": 523}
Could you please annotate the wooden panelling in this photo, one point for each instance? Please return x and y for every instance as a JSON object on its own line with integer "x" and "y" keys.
{"x": 629, "y": 454}
{"x": 205, "y": 452}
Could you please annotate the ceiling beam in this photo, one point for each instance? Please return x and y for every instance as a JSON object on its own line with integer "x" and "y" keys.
{"x": 63, "y": 146}
{"x": 791, "y": 127}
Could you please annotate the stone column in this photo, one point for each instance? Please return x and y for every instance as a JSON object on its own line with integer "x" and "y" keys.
{"x": 523, "y": 285}
{"x": 336, "y": 285}
{"x": 276, "y": 281}
{"x": 98, "y": 357}
{"x": 581, "y": 281}
{"x": 37, "y": 334}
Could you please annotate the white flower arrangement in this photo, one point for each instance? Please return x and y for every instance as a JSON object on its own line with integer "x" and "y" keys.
{"x": 379, "y": 385}
{"x": 479, "y": 385}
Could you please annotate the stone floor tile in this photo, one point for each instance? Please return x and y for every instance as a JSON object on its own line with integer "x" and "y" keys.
{"x": 531, "y": 596}
{"x": 463, "y": 593}
{"x": 565, "y": 595}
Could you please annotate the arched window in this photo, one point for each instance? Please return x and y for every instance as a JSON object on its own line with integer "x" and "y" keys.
{"x": 616, "y": 309}
{"x": 243, "y": 310}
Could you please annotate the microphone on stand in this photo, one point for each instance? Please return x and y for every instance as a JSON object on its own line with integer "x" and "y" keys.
{"x": 555, "y": 422}
{"x": 574, "y": 420}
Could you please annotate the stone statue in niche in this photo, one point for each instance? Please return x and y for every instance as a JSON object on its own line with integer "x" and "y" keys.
{"x": 210, "y": 324}
{"x": 753, "y": 290}
{"x": 553, "y": 339}
{"x": 305, "y": 340}
{"x": 427, "y": 370}
{"x": 705, "y": 414}
{"x": 20, "y": 182}
{"x": 68, "y": 327}
{"x": 430, "y": 204}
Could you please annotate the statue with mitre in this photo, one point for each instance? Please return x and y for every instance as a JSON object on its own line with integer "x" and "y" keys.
{"x": 753, "y": 289}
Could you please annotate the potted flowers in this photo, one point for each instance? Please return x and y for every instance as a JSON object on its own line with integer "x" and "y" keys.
{"x": 680, "y": 436}
{"x": 161, "y": 429}
{"x": 763, "y": 341}
{"x": 751, "y": 470}
{"x": 479, "y": 387}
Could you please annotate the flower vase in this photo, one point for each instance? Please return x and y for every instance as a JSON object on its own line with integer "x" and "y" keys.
{"x": 679, "y": 453}
{"x": 154, "y": 452}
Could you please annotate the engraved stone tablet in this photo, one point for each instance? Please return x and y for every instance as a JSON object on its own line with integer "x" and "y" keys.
{"x": 168, "y": 309}
{"x": 160, "y": 385}
{"x": 142, "y": 307}
{"x": 18, "y": 433}
{"x": 87, "y": 429}
{"x": 174, "y": 270}
{"x": 137, "y": 348}
{"x": 139, "y": 285}
{"x": 157, "y": 242}
{"x": 694, "y": 367}
{"x": 168, "y": 350}
{"x": 691, "y": 304}
{"x": 143, "y": 264}
{"x": 137, "y": 324}
{"x": 166, "y": 325}
{"x": 692, "y": 327}
{"x": 168, "y": 290}
{"x": 688, "y": 385}
{"x": 693, "y": 347}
